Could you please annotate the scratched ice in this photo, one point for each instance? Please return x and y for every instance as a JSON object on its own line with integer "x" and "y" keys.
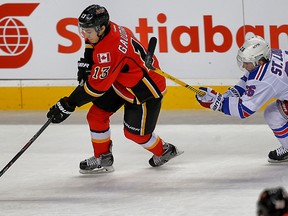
{"x": 222, "y": 171}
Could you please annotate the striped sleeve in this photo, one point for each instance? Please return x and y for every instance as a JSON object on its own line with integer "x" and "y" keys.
{"x": 258, "y": 93}
{"x": 241, "y": 85}
{"x": 233, "y": 106}
{"x": 92, "y": 92}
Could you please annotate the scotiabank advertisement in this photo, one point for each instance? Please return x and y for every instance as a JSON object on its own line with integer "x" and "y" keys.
{"x": 196, "y": 39}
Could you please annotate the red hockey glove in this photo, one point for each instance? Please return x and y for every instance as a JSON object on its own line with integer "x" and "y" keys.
{"x": 60, "y": 111}
{"x": 211, "y": 99}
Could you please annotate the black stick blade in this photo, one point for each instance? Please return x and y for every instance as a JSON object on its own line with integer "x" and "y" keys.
{"x": 149, "y": 56}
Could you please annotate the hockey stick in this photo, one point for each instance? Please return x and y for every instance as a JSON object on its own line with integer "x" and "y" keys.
{"x": 25, "y": 147}
{"x": 149, "y": 61}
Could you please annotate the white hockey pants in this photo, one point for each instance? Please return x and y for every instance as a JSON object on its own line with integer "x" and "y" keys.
{"x": 276, "y": 117}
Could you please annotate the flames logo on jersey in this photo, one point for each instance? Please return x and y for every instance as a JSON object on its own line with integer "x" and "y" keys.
{"x": 104, "y": 57}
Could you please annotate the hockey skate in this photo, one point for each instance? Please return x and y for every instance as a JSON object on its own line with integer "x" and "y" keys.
{"x": 279, "y": 155}
{"x": 94, "y": 165}
{"x": 170, "y": 151}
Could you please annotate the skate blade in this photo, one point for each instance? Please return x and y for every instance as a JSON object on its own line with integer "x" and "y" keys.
{"x": 277, "y": 161}
{"x": 179, "y": 152}
{"x": 98, "y": 170}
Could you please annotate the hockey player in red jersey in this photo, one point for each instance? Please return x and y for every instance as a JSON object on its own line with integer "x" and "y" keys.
{"x": 112, "y": 74}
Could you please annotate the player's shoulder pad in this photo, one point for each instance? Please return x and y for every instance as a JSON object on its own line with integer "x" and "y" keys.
{"x": 258, "y": 72}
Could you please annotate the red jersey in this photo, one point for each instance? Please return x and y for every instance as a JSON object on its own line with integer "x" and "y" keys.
{"x": 118, "y": 62}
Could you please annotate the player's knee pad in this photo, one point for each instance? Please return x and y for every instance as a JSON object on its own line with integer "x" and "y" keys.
{"x": 276, "y": 114}
{"x": 136, "y": 137}
{"x": 98, "y": 119}
{"x": 283, "y": 108}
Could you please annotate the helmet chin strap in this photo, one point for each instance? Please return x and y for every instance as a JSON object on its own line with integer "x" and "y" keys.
{"x": 98, "y": 30}
{"x": 100, "y": 36}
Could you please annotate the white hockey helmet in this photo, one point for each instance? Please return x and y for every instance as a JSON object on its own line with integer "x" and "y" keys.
{"x": 253, "y": 50}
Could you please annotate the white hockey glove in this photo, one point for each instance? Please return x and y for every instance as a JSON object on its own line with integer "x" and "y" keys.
{"x": 231, "y": 92}
{"x": 211, "y": 99}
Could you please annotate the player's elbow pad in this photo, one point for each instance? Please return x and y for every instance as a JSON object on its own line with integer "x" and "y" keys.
{"x": 79, "y": 97}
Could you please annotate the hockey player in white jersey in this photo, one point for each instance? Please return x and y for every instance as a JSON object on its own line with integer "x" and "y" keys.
{"x": 266, "y": 77}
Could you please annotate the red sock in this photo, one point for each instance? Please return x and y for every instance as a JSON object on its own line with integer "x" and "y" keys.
{"x": 151, "y": 142}
{"x": 158, "y": 148}
{"x": 101, "y": 148}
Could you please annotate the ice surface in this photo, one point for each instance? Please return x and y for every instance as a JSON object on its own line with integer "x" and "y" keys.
{"x": 222, "y": 172}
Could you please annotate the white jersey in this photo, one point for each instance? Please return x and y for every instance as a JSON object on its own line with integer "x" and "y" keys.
{"x": 259, "y": 86}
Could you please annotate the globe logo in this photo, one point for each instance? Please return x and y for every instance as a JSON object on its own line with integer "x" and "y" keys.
{"x": 14, "y": 37}
{"x": 16, "y": 46}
